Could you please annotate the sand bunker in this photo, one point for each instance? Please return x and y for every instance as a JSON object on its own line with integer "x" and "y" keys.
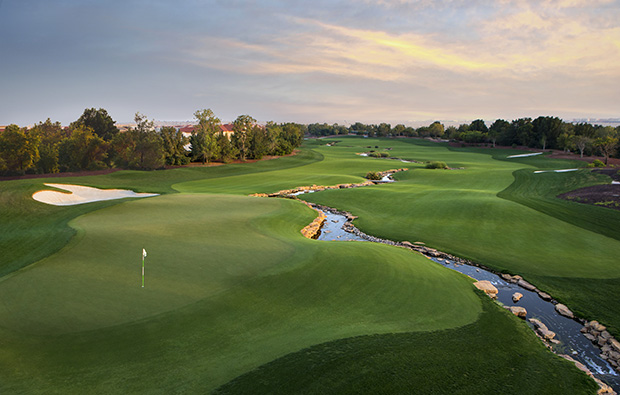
{"x": 555, "y": 171}
{"x": 80, "y": 195}
{"x": 524, "y": 155}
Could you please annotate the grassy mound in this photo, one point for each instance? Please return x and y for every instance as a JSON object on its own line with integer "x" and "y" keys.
{"x": 439, "y": 362}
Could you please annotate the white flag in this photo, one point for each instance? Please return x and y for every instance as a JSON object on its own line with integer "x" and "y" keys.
{"x": 143, "y": 253}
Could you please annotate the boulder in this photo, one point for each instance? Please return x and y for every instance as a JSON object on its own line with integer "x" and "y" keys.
{"x": 596, "y": 326}
{"x": 615, "y": 345}
{"x": 516, "y": 297}
{"x": 542, "y": 329}
{"x": 563, "y": 310}
{"x": 589, "y": 337}
{"x": 487, "y": 287}
{"x": 524, "y": 284}
{"x": 544, "y": 296}
{"x": 518, "y": 311}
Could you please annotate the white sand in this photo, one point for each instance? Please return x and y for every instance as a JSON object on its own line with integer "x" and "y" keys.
{"x": 555, "y": 171}
{"x": 524, "y": 155}
{"x": 80, "y": 195}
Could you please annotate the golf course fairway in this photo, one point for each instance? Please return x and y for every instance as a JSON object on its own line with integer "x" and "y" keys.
{"x": 236, "y": 300}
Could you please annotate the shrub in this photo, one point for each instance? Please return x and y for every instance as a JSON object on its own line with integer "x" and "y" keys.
{"x": 436, "y": 165}
{"x": 373, "y": 175}
{"x": 375, "y": 154}
{"x": 596, "y": 163}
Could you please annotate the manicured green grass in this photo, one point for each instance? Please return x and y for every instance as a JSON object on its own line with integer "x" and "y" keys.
{"x": 483, "y": 214}
{"x": 439, "y": 362}
{"x": 232, "y": 285}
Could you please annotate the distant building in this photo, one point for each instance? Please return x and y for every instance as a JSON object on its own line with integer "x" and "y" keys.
{"x": 226, "y": 130}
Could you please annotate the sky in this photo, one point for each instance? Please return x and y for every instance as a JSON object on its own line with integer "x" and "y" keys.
{"x": 337, "y": 61}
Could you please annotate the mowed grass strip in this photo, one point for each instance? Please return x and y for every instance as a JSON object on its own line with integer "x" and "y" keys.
{"x": 438, "y": 362}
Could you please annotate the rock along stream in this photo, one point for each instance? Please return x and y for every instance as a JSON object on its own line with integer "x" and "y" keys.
{"x": 569, "y": 339}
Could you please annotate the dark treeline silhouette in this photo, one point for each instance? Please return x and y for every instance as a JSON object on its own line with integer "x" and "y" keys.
{"x": 93, "y": 142}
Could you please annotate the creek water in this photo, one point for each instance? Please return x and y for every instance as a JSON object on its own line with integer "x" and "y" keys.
{"x": 572, "y": 341}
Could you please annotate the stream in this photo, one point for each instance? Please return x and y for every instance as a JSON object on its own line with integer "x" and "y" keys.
{"x": 572, "y": 341}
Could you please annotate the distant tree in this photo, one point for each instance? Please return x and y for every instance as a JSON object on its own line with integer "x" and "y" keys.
{"x": 546, "y": 131}
{"x": 399, "y": 130}
{"x": 478, "y": 125}
{"x": 19, "y": 149}
{"x": 383, "y": 129}
{"x": 207, "y": 121}
{"x": 99, "y": 121}
{"x": 523, "y": 130}
{"x": 227, "y": 152}
{"x": 497, "y": 130}
{"x": 50, "y": 134}
{"x": 258, "y": 142}
{"x": 149, "y": 145}
{"x": 241, "y": 126}
{"x": 173, "y": 144}
{"x": 203, "y": 140}
{"x": 584, "y": 129}
{"x": 436, "y": 129}
{"x": 581, "y": 142}
{"x": 607, "y": 145}
{"x": 451, "y": 132}
{"x": 293, "y": 134}
{"x": 82, "y": 150}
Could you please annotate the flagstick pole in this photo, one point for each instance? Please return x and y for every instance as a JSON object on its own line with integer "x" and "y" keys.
{"x": 142, "y": 270}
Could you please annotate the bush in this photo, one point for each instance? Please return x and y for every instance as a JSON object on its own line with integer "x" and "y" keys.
{"x": 378, "y": 154}
{"x": 596, "y": 163}
{"x": 373, "y": 175}
{"x": 436, "y": 165}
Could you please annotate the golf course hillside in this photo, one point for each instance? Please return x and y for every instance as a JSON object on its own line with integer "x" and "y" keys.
{"x": 237, "y": 300}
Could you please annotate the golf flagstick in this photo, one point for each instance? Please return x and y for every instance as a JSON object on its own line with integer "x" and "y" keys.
{"x": 143, "y": 256}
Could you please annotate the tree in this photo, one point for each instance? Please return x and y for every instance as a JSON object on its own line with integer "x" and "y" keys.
{"x": 501, "y": 131}
{"x": 82, "y": 150}
{"x": 99, "y": 121}
{"x": 19, "y": 149}
{"x": 257, "y": 142}
{"x": 478, "y": 125}
{"x": 173, "y": 144}
{"x": 436, "y": 129}
{"x": 149, "y": 145}
{"x": 49, "y": 134}
{"x": 399, "y": 130}
{"x": 581, "y": 142}
{"x": 546, "y": 131}
{"x": 203, "y": 140}
{"x": 203, "y": 146}
{"x": 523, "y": 130}
{"x": 607, "y": 145}
{"x": 227, "y": 152}
{"x": 241, "y": 127}
{"x": 207, "y": 121}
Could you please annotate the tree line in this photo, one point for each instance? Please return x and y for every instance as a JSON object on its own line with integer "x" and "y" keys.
{"x": 93, "y": 142}
{"x": 543, "y": 132}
